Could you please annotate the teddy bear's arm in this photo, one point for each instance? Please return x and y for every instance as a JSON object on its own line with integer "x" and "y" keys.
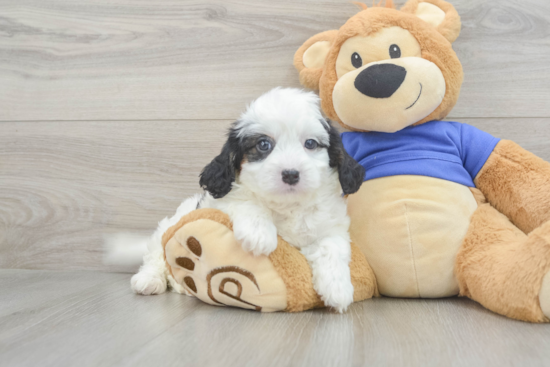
{"x": 517, "y": 183}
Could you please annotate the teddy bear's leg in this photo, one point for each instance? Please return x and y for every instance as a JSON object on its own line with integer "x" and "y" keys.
{"x": 206, "y": 261}
{"x": 517, "y": 183}
{"x": 502, "y": 268}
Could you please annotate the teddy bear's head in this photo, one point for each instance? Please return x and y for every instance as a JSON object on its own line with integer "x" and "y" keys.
{"x": 386, "y": 69}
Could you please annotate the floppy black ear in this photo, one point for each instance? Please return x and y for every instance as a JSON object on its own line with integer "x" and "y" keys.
{"x": 350, "y": 173}
{"x": 218, "y": 176}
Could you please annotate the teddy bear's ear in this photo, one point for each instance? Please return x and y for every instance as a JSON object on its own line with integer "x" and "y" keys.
{"x": 310, "y": 58}
{"x": 440, "y": 14}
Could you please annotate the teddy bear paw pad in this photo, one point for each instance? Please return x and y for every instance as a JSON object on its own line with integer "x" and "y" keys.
{"x": 206, "y": 260}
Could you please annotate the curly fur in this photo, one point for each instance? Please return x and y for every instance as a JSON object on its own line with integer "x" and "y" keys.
{"x": 245, "y": 183}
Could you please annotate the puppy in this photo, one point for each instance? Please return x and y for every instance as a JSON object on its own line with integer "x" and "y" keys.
{"x": 282, "y": 171}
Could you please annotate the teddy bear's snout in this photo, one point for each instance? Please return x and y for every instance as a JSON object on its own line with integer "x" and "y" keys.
{"x": 380, "y": 80}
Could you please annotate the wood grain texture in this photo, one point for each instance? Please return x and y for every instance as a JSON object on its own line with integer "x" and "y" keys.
{"x": 64, "y": 185}
{"x": 92, "y": 319}
{"x": 168, "y": 59}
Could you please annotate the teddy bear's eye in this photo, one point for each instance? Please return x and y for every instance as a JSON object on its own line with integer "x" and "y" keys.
{"x": 356, "y": 60}
{"x": 395, "y": 52}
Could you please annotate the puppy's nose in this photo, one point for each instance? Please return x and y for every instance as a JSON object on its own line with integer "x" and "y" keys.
{"x": 380, "y": 80}
{"x": 291, "y": 177}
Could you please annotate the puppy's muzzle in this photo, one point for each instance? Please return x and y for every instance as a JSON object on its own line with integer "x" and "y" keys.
{"x": 291, "y": 177}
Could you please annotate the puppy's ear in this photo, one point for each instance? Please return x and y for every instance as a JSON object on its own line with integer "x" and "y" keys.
{"x": 218, "y": 176}
{"x": 350, "y": 173}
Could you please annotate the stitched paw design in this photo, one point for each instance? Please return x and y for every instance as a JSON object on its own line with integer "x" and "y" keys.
{"x": 206, "y": 260}
{"x": 186, "y": 263}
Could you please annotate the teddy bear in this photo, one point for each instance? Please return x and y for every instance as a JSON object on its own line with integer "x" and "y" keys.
{"x": 445, "y": 209}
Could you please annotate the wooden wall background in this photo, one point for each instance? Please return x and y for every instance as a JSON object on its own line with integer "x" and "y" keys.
{"x": 110, "y": 108}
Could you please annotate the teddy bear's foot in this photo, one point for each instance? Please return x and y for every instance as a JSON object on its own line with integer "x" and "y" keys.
{"x": 504, "y": 269}
{"x": 544, "y": 295}
{"x": 207, "y": 261}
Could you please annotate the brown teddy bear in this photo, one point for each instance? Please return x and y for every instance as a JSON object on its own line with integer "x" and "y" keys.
{"x": 445, "y": 209}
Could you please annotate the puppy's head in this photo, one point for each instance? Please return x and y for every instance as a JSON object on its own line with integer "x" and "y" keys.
{"x": 282, "y": 146}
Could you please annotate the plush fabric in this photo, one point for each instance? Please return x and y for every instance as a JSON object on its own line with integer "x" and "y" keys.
{"x": 501, "y": 267}
{"x": 410, "y": 229}
{"x": 442, "y": 149}
{"x": 449, "y": 26}
{"x": 309, "y": 76}
{"x": 517, "y": 183}
{"x": 544, "y": 295}
{"x": 202, "y": 253}
{"x": 315, "y": 54}
{"x": 379, "y": 114}
{"x": 436, "y": 193}
{"x": 435, "y": 47}
{"x": 419, "y": 220}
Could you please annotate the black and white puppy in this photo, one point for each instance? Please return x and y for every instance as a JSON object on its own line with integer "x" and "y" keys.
{"x": 283, "y": 171}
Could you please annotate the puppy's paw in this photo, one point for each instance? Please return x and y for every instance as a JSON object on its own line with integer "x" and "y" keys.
{"x": 337, "y": 295}
{"x": 256, "y": 235}
{"x": 147, "y": 284}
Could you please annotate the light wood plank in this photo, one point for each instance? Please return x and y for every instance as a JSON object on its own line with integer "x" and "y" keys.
{"x": 93, "y": 319}
{"x": 79, "y": 318}
{"x": 378, "y": 332}
{"x": 64, "y": 185}
{"x": 167, "y": 59}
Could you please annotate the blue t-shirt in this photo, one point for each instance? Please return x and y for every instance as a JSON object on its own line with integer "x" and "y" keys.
{"x": 443, "y": 149}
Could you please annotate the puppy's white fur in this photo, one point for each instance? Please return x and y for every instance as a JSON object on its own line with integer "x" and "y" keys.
{"x": 311, "y": 215}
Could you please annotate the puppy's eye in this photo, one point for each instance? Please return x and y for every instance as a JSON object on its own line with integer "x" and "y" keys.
{"x": 263, "y": 146}
{"x": 311, "y": 144}
{"x": 356, "y": 60}
{"x": 395, "y": 52}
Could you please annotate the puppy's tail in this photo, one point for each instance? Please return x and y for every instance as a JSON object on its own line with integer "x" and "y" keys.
{"x": 125, "y": 251}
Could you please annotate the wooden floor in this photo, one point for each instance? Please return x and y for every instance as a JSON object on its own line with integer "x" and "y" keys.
{"x": 109, "y": 109}
{"x": 56, "y": 319}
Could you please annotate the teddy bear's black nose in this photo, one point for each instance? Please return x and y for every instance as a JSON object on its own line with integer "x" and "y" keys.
{"x": 380, "y": 80}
